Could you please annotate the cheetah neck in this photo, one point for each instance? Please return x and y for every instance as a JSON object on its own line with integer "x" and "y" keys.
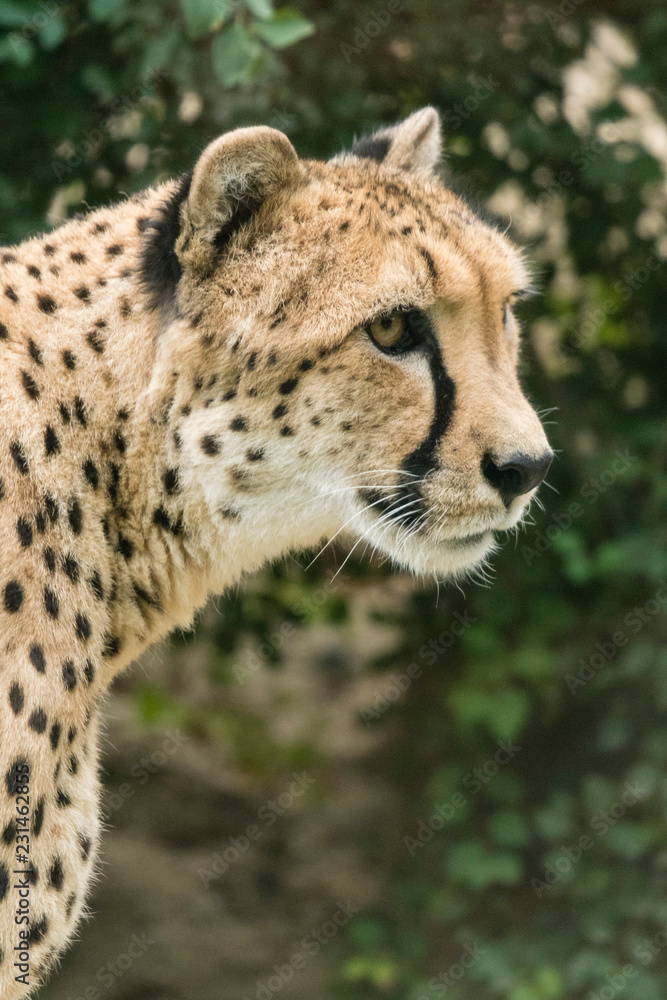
{"x": 135, "y": 419}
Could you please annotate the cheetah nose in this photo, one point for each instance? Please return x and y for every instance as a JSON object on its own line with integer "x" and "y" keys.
{"x": 516, "y": 475}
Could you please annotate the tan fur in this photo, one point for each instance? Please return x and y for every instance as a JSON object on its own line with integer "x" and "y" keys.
{"x": 168, "y": 449}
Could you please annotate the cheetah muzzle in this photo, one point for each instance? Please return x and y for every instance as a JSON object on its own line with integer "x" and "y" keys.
{"x": 245, "y": 362}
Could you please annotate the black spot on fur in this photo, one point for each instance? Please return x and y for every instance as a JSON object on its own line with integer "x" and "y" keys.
{"x": 86, "y": 844}
{"x": 51, "y": 442}
{"x": 16, "y": 776}
{"x": 75, "y": 516}
{"x": 170, "y": 480}
{"x": 91, "y": 473}
{"x": 36, "y": 657}
{"x": 162, "y": 520}
{"x": 111, "y": 646}
{"x": 51, "y": 603}
{"x": 30, "y": 385}
{"x": 69, "y": 675}
{"x": 51, "y": 508}
{"x": 69, "y": 360}
{"x": 54, "y": 735}
{"x": 38, "y": 818}
{"x": 46, "y": 304}
{"x": 95, "y": 582}
{"x": 9, "y": 833}
{"x": 56, "y": 875}
{"x": 16, "y": 698}
{"x": 125, "y": 547}
{"x": 24, "y": 531}
{"x": 80, "y": 411}
{"x": 289, "y": 385}
{"x": 35, "y": 353}
{"x": 13, "y": 596}
{"x": 71, "y": 567}
{"x": 95, "y": 342}
{"x": 112, "y": 488}
{"x": 17, "y": 452}
{"x": 37, "y": 720}
{"x": 209, "y": 445}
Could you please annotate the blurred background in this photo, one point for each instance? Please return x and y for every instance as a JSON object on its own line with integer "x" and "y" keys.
{"x": 344, "y": 785}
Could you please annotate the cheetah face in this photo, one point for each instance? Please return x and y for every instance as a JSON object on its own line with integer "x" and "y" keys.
{"x": 357, "y": 320}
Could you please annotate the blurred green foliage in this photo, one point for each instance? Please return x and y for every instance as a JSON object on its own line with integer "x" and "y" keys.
{"x": 106, "y": 97}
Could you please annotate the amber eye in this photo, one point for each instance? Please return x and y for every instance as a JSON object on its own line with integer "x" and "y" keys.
{"x": 400, "y": 331}
{"x": 388, "y": 330}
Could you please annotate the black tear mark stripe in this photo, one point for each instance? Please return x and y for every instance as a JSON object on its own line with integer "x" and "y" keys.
{"x": 423, "y": 460}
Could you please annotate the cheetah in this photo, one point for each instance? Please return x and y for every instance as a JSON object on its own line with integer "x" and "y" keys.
{"x": 219, "y": 370}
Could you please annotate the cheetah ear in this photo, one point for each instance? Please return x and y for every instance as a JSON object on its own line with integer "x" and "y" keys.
{"x": 414, "y": 145}
{"x": 231, "y": 179}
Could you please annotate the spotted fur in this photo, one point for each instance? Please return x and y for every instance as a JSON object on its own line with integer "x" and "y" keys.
{"x": 187, "y": 389}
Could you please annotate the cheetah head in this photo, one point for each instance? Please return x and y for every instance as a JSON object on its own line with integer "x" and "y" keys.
{"x": 347, "y": 350}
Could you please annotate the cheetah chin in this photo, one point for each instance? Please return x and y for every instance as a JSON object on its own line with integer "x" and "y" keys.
{"x": 261, "y": 355}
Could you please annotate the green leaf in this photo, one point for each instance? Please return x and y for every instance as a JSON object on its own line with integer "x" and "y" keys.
{"x": 509, "y": 828}
{"x": 201, "y": 16}
{"x": 16, "y": 15}
{"x": 549, "y": 982}
{"x": 260, "y": 8}
{"x": 102, "y": 10}
{"x": 232, "y": 55}
{"x": 470, "y": 863}
{"x": 14, "y": 48}
{"x": 53, "y": 33}
{"x": 99, "y": 81}
{"x": 285, "y": 28}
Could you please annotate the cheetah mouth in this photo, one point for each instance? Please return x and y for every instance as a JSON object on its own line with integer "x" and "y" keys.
{"x": 467, "y": 540}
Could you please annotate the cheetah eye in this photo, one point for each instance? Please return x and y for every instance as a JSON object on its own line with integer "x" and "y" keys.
{"x": 395, "y": 333}
{"x": 388, "y": 330}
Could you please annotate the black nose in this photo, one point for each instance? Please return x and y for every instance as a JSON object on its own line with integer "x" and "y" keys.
{"x": 518, "y": 474}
